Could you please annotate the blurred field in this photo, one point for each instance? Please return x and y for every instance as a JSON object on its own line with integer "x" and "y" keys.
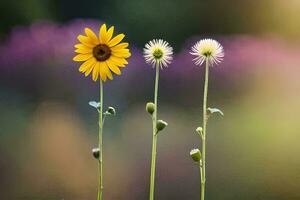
{"x": 47, "y": 129}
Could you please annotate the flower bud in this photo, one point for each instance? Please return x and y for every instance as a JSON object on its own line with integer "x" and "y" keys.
{"x": 199, "y": 130}
{"x": 111, "y": 110}
{"x": 96, "y": 153}
{"x": 150, "y": 108}
{"x": 196, "y": 155}
{"x": 160, "y": 125}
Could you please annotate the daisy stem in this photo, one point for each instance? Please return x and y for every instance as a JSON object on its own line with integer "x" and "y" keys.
{"x": 205, "y": 117}
{"x": 201, "y": 175}
{"x": 100, "y": 189}
{"x": 154, "y": 136}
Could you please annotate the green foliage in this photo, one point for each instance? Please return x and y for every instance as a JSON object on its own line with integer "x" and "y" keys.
{"x": 95, "y": 104}
{"x": 215, "y": 110}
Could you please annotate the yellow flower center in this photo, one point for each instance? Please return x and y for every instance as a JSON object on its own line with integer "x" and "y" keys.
{"x": 101, "y": 52}
{"x": 206, "y": 51}
{"x": 158, "y": 54}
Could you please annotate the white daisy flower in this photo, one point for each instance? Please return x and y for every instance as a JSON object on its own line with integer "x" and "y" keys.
{"x": 159, "y": 52}
{"x": 207, "y": 49}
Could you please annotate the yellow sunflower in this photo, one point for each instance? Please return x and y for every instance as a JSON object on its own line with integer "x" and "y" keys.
{"x": 101, "y": 55}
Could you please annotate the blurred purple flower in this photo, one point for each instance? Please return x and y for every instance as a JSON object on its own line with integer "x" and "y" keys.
{"x": 42, "y": 41}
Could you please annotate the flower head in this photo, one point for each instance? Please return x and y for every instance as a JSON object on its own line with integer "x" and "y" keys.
{"x": 158, "y": 52}
{"x": 207, "y": 49}
{"x": 101, "y": 55}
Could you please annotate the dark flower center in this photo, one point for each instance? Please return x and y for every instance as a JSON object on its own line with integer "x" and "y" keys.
{"x": 208, "y": 53}
{"x": 101, "y": 52}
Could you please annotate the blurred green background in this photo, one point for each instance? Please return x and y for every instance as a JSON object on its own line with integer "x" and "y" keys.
{"x": 47, "y": 129}
{"x": 175, "y": 20}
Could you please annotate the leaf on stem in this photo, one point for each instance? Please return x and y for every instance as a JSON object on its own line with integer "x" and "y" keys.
{"x": 215, "y": 110}
{"x": 95, "y": 104}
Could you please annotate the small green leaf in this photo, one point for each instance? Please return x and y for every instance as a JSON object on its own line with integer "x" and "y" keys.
{"x": 94, "y": 104}
{"x": 215, "y": 110}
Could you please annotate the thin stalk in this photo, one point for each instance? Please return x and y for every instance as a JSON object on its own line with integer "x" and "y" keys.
{"x": 201, "y": 175}
{"x": 100, "y": 144}
{"x": 154, "y": 136}
{"x": 203, "y": 178}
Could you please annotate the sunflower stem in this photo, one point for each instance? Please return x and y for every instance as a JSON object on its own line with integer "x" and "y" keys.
{"x": 205, "y": 118}
{"x": 100, "y": 144}
{"x": 154, "y": 136}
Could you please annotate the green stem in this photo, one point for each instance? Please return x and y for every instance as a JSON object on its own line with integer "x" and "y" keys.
{"x": 201, "y": 175}
{"x": 100, "y": 189}
{"x": 154, "y": 136}
{"x": 203, "y": 178}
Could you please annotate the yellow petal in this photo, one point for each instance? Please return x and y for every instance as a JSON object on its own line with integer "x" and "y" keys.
{"x": 96, "y": 71}
{"x": 81, "y": 46}
{"x": 85, "y": 40}
{"x": 116, "y": 40}
{"x": 109, "y": 34}
{"x": 90, "y": 68}
{"x": 84, "y": 51}
{"x": 87, "y": 64}
{"x": 102, "y": 72}
{"x": 91, "y": 35}
{"x": 121, "y": 51}
{"x": 114, "y": 68}
{"x": 82, "y": 57}
{"x": 122, "y": 54}
{"x": 120, "y": 62}
{"x": 105, "y": 68}
{"x": 122, "y": 45}
{"x": 102, "y": 33}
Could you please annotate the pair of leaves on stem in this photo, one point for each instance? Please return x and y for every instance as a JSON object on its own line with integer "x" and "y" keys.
{"x": 110, "y": 110}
